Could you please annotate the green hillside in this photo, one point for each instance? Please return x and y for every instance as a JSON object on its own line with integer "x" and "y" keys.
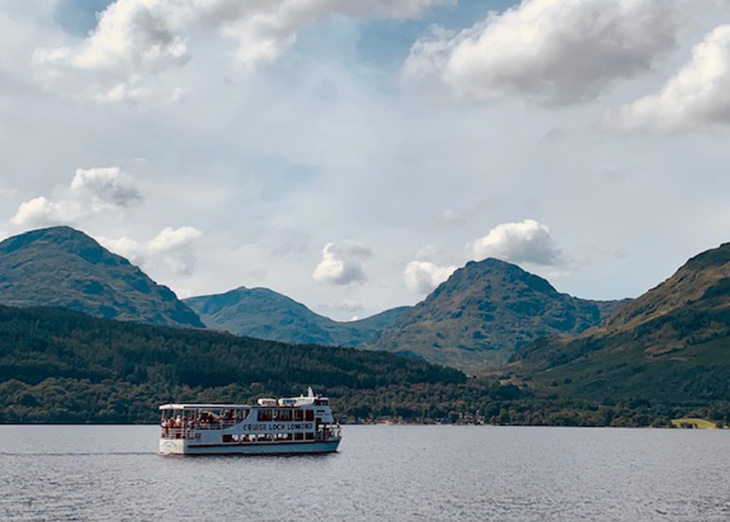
{"x": 670, "y": 344}
{"x": 63, "y": 267}
{"x": 265, "y": 314}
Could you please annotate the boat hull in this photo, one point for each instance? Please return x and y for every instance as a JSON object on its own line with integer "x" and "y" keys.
{"x": 191, "y": 447}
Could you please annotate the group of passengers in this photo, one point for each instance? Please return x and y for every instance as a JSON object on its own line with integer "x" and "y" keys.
{"x": 202, "y": 419}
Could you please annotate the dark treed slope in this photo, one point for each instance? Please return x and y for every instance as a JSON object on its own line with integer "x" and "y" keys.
{"x": 265, "y": 314}
{"x": 486, "y": 310}
{"x": 672, "y": 343}
{"x": 63, "y": 267}
{"x": 63, "y": 366}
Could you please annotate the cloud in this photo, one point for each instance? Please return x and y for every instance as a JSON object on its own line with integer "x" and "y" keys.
{"x": 348, "y": 305}
{"x": 557, "y": 51}
{"x": 422, "y": 277}
{"x": 38, "y": 211}
{"x": 91, "y": 192}
{"x": 173, "y": 239}
{"x": 134, "y": 41}
{"x": 137, "y": 42}
{"x": 342, "y": 263}
{"x": 696, "y": 98}
{"x": 524, "y": 242}
{"x": 172, "y": 247}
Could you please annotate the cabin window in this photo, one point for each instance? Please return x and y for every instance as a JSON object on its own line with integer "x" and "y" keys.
{"x": 283, "y": 415}
{"x": 264, "y": 415}
{"x": 298, "y": 415}
{"x": 309, "y": 415}
{"x": 309, "y": 436}
{"x": 227, "y": 438}
{"x": 299, "y": 436}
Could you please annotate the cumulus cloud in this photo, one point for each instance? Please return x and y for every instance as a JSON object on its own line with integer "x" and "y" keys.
{"x": 524, "y": 242}
{"x": 422, "y": 277}
{"x": 106, "y": 187}
{"x": 172, "y": 247}
{"x": 342, "y": 263}
{"x": 137, "y": 41}
{"x": 133, "y": 41}
{"x": 38, "y": 211}
{"x": 696, "y": 98}
{"x": 91, "y": 191}
{"x": 557, "y": 51}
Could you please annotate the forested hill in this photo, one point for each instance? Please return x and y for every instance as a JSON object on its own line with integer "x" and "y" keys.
{"x": 62, "y": 366}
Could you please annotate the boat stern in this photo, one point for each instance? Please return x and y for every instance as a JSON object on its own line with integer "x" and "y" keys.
{"x": 172, "y": 447}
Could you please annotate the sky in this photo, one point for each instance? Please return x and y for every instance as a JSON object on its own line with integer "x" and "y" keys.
{"x": 352, "y": 154}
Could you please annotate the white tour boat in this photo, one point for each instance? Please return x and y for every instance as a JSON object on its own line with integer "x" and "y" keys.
{"x": 297, "y": 425}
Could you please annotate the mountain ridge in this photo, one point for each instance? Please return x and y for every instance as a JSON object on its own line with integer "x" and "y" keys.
{"x": 266, "y": 314}
{"x": 62, "y": 266}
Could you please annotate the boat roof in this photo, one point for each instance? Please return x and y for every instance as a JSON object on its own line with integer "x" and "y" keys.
{"x": 204, "y": 406}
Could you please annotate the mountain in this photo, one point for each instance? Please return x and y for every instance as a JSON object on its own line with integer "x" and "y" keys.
{"x": 265, "y": 314}
{"x": 57, "y": 365}
{"x": 483, "y": 313}
{"x": 63, "y": 267}
{"x": 672, "y": 343}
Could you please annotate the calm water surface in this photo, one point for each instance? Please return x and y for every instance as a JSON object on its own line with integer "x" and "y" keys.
{"x": 403, "y": 473}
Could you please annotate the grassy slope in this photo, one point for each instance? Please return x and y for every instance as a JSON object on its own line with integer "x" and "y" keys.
{"x": 672, "y": 344}
{"x": 700, "y": 424}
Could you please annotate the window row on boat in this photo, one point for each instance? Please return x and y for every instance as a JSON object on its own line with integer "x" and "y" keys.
{"x": 284, "y": 415}
{"x": 267, "y": 437}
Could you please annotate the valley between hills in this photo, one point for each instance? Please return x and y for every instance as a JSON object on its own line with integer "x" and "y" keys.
{"x": 86, "y": 336}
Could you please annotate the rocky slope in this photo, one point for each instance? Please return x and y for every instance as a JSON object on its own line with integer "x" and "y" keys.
{"x": 265, "y": 314}
{"x": 483, "y": 313}
{"x": 63, "y": 267}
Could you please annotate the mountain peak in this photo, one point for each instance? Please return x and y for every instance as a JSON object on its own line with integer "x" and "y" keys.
{"x": 59, "y": 236}
{"x": 483, "y": 313}
{"x": 64, "y": 267}
{"x": 715, "y": 257}
{"x": 492, "y": 271}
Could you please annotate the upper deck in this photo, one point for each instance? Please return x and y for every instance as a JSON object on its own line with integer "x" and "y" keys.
{"x": 288, "y": 402}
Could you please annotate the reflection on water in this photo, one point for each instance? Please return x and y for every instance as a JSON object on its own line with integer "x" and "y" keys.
{"x": 403, "y": 473}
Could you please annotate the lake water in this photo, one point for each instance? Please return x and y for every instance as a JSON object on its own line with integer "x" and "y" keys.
{"x": 382, "y": 473}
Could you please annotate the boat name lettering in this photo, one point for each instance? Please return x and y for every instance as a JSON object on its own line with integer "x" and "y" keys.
{"x": 278, "y": 426}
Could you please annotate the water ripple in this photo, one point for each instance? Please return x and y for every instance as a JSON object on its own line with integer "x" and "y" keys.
{"x": 424, "y": 474}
